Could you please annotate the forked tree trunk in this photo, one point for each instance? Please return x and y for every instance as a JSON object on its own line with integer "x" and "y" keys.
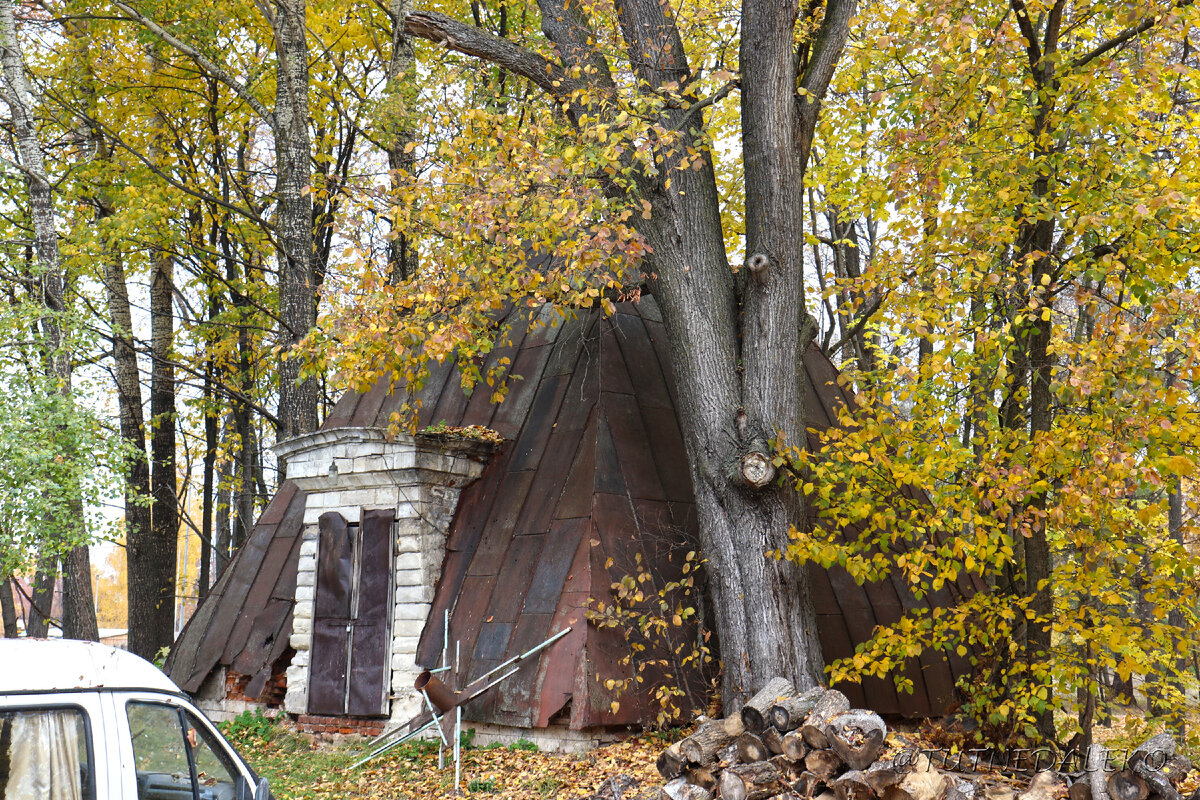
{"x": 41, "y": 596}
{"x": 736, "y": 341}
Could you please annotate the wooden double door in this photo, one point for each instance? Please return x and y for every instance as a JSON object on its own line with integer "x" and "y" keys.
{"x": 349, "y": 673}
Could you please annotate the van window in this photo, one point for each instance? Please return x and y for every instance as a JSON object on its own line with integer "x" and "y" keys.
{"x": 174, "y": 756}
{"x": 44, "y": 755}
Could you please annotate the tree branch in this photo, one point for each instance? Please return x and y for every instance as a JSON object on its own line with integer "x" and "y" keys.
{"x": 565, "y": 25}
{"x": 1032, "y": 48}
{"x": 202, "y": 61}
{"x": 1125, "y": 35}
{"x": 856, "y": 329}
{"x": 472, "y": 41}
{"x": 827, "y": 50}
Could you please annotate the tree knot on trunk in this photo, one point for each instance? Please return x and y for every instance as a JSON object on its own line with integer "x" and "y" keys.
{"x": 757, "y": 469}
{"x": 757, "y": 265}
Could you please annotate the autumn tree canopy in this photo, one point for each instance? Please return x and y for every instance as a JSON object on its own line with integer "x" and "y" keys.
{"x": 984, "y": 212}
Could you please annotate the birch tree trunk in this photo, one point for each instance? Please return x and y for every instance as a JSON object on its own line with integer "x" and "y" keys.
{"x": 77, "y": 582}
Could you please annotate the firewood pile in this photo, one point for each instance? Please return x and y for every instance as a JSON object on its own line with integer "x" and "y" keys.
{"x": 812, "y": 746}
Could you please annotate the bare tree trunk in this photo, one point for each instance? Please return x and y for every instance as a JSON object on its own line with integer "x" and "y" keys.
{"x": 41, "y": 598}
{"x": 79, "y": 610}
{"x": 223, "y": 507}
{"x": 18, "y": 93}
{"x": 160, "y": 550}
{"x": 402, "y": 256}
{"x": 293, "y": 153}
{"x": 8, "y": 608}
{"x": 206, "y": 504}
{"x": 138, "y": 530}
{"x": 243, "y": 468}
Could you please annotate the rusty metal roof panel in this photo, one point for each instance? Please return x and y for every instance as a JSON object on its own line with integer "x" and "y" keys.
{"x": 592, "y": 468}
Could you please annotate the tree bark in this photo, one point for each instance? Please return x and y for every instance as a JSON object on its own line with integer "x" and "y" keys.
{"x": 735, "y": 344}
{"x": 293, "y": 153}
{"x": 402, "y": 256}
{"x": 8, "y": 607}
{"x": 156, "y": 556}
{"x": 79, "y": 609}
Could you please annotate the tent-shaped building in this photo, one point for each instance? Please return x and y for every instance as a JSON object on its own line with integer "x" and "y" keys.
{"x": 340, "y": 595}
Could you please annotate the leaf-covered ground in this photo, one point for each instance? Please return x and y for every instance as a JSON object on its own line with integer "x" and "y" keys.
{"x": 302, "y": 769}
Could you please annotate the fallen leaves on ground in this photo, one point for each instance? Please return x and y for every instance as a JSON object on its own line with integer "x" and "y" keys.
{"x": 299, "y": 768}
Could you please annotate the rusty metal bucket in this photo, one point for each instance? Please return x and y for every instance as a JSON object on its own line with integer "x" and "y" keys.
{"x": 440, "y": 695}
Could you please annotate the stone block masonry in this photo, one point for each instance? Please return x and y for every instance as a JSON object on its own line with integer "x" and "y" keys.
{"x": 350, "y": 470}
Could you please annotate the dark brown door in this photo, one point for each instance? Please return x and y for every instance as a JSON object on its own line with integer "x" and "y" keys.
{"x": 349, "y": 673}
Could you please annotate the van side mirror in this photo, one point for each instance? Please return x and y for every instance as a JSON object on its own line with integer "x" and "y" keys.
{"x": 262, "y": 791}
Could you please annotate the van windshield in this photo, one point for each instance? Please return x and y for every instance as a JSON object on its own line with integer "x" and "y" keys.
{"x": 44, "y": 755}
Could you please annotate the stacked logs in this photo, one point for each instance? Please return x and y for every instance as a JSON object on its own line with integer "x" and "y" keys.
{"x": 782, "y": 744}
{"x": 813, "y": 746}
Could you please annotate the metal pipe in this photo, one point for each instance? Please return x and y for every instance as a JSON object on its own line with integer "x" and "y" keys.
{"x": 438, "y": 693}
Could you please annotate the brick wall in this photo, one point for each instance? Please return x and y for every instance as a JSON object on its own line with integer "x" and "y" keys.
{"x": 363, "y": 726}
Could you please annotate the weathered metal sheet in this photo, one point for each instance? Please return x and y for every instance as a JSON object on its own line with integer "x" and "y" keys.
{"x": 327, "y": 670}
{"x": 641, "y": 363}
{"x": 612, "y": 361}
{"x": 374, "y": 567}
{"x": 609, "y": 479}
{"x": 369, "y": 673}
{"x": 550, "y": 574}
{"x": 335, "y": 565}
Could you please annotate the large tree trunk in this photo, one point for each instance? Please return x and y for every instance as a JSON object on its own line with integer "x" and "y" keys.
{"x": 19, "y": 95}
{"x": 138, "y": 529}
{"x": 294, "y": 223}
{"x": 157, "y": 555}
{"x": 79, "y": 608}
{"x": 223, "y": 507}
{"x": 736, "y": 341}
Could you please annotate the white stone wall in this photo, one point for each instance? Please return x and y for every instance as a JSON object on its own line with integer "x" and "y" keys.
{"x": 349, "y": 470}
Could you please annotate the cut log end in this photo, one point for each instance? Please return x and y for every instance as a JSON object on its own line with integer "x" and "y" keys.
{"x": 671, "y": 762}
{"x": 794, "y": 746}
{"x": 857, "y": 737}
{"x": 750, "y": 782}
{"x": 830, "y": 704}
{"x": 750, "y": 748}
{"x": 1079, "y": 790}
{"x": 754, "y": 712}
{"x": 825, "y": 764}
{"x": 1126, "y": 785}
{"x": 853, "y": 785}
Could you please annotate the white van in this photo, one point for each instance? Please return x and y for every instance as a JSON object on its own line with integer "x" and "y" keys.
{"x": 84, "y": 721}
